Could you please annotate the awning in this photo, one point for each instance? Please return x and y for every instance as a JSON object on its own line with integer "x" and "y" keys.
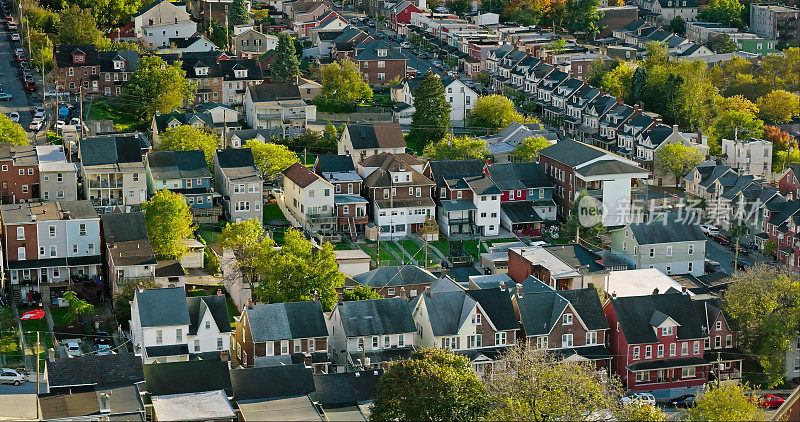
{"x": 37, "y": 263}
{"x": 584, "y": 353}
{"x": 667, "y": 364}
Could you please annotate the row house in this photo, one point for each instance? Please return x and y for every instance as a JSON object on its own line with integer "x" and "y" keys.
{"x": 631, "y": 134}
{"x": 611, "y": 123}
{"x": 161, "y": 20}
{"x": 237, "y": 75}
{"x": 249, "y": 44}
{"x": 656, "y": 138}
{"x": 400, "y": 16}
{"x": 399, "y": 193}
{"x": 351, "y": 207}
{"x": 593, "y": 114}
{"x": 575, "y": 106}
{"x": 668, "y": 10}
{"x": 323, "y": 41}
{"x": 717, "y": 186}
{"x": 477, "y": 51}
{"x": 782, "y": 227}
{"x": 309, "y": 199}
{"x": 658, "y": 344}
{"x": 752, "y": 205}
{"x": 186, "y": 173}
{"x": 363, "y": 140}
{"x": 406, "y": 281}
{"x": 609, "y": 178}
{"x": 329, "y": 21}
{"x": 77, "y": 67}
{"x": 789, "y": 182}
{"x": 58, "y": 178}
{"x": 468, "y": 201}
{"x": 278, "y": 106}
{"x": 748, "y": 156}
{"x": 239, "y": 183}
{"x": 720, "y": 345}
{"x": 202, "y": 69}
{"x": 127, "y": 252}
{"x": 562, "y": 267}
{"x": 19, "y": 179}
{"x": 164, "y": 122}
{"x": 379, "y": 62}
{"x": 48, "y": 246}
{"x": 301, "y": 11}
{"x": 113, "y": 172}
{"x": 526, "y": 199}
{"x": 220, "y": 78}
{"x": 554, "y": 109}
{"x": 479, "y": 324}
{"x": 520, "y": 70}
{"x": 547, "y": 86}
{"x": 115, "y": 69}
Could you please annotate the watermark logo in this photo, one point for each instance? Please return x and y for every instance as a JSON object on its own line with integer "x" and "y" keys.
{"x": 590, "y": 211}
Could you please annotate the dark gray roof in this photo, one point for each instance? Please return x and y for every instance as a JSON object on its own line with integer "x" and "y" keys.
{"x": 498, "y": 307}
{"x": 395, "y": 275}
{"x": 124, "y": 227}
{"x": 166, "y": 165}
{"x": 541, "y": 311}
{"x": 447, "y": 310}
{"x": 369, "y": 51}
{"x": 167, "y": 350}
{"x": 284, "y": 321}
{"x": 604, "y": 167}
{"x": 103, "y": 371}
{"x": 343, "y": 389}
{"x": 667, "y": 363}
{"x": 198, "y": 306}
{"x": 274, "y": 92}
{"x": 515, "y": 176}
{"x": 158, "y": 307}
{"x": 376, "y": 135}
{"x": 576, "y": 255}
{"x": 112, "y": 149}
{"x": 334, "y": 163}
{"x": 520, "y": 212}
{"x": 670, "y": 228}
{"x": 572, "y": 153}
{"x": 376, "y": 317}
{"x": 234, "y": 157}
{"x": 192, "y": 376}
{"x": 451, "y": 169}
{"x": 271, "y": 382}
{"x": 163, "y": 120}
{"x": 635, "y": 312}
{"x": 587, "y": 303}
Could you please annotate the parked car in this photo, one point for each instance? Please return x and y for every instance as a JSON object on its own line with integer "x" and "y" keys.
{"x": 59, "y": 125}
{"x": 713, "y": 267}
{"x": 722, "y": 239}
{"x": 10, "y": 376}
{"x": 75, "y": 121}
{"x": 102, "y": 337}
{"x": 685, "y": 401}
{"x": 424, "y": 55}
{"x": 742, "y": 264}
{"x": 30, "y": 85}
{"x": 12, "y": 27}
{"x": 405, "y": 45}
{"x": 709, "y": 229}
{"x": 104, "y": 350}
{"x": 40, "y": 115}
{"x": 641, "y": 397}
{"x": 36, "y": 125}
{"x": 74, "y": 349}
{"x": 770, "y": 401}
{"x": 14, "y": 36}
{"x": 742, "y": 249}
{"x": 5, "y": 96}
{"x": 38, "y": 109}
{"x": 14, "y": 116}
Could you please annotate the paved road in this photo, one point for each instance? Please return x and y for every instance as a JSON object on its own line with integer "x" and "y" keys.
{"x": 11, "y": 83}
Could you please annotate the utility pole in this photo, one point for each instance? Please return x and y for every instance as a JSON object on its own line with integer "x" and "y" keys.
{"x": 43, "y": 86}
{"x": 719, "y": 364}
{"x": 227, "y": 40}
{"x": 80, "y": 105}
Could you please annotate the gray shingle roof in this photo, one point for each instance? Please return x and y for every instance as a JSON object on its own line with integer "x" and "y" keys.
{"x": 112, "y": 149}
{"x": 102, "y": 371}
{"x": 604, "y": 167}
{"x": 167, "y": 165}
{"x": 334, "y": 163}
{"x": 376, "y": 135}
{"x": 498, "y": 307}
{"x": 376, "y": 317}
{"x": 667, "y": 230}
{"x": 198, "y": 306}
{"x": 192, "y": 376}
{"x": 369, "y": 51}
{"x": 450, "y": 169}
{"x": 271, "y": 382}
{"x": 274, "y": 92}
{"x": 159, "y": 307}
{"x": 284, "y": 321}
{"x": 124, "y": 227}
{"x": 395, "y": 275}
{"x": 346, "y": 388}
{"x": 635, "y": 312}
{"x": 514, "y": 176}
{"x": 572, "y": 152}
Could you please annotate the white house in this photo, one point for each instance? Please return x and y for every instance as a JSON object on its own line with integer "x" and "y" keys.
{"x": 749, "y": 157}
{"x": 162, "y": 21}
{"x": 460, "y": 97}
{"x": 309, "y": 199}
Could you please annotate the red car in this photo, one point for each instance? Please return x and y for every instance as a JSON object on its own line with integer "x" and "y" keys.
{"x": 30, "y": 85}
{"x": 770, "y": 401}
{"x": 722, "y": 239}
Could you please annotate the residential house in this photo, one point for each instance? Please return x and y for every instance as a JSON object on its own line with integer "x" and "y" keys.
{"x": 193, "y": 376}
{"x": 224, "y": 117}
{"x": 657, "y": 343}
{"x": 351, "y": 208}
{"x": 575, "y": 105}
{"x": 406, "y": 281}
{"x": 58, "y": 178}
{"x": 468, "y": 201}
{"x": 568, "y": 323}
{"x": 775, "y": 21}
{"x": 186, "y": 173}
{"x": 574, "y": 167}
{"x": 379, "y": 62}
{"x": 655, "y": 139}
{"x": 237, "y": 75}
{"x": 562, "y": 267}
{"x": 400, "y": 16}
{"x": 127, "y": 250}
{"x": 360, "y": 141}
{"x": 526, "y": 201}
{"x": 205, "y": 405}
{"x": 249, "y": 44}
{"x": 203, "y": 69}
{"x": 160, "y": 21}
{"x": 309, "y": 199}
{"x": 399, "y": 193}
{"x": 793, "y": 358}
{"x": 718, "y": 186}
{"x": 503, "y": 144}
{"x": 112, "y": 167}
{"x": 748, "y": 157}
{"x": 281, "y": 334}
{"x": 611, "y": 124}
{"x": 329, "y": 21}
{"x": 670, "y": 9}
{"x": 592, "y": 115}
{"x": 720, "y": 346}
{"x": 307, "y": 10}
{"x": 20, "y": 179}
{"x": 77, "y": 67}
{"x": 115, "y": 69}
{"x": 278, "y": 106}
{"x": 309, "y": 89}
{"x": 167, "y": 326}
{"x": 371, "y": 333}
{"x": 672, "y": 244}
{"x": 629, "y": 136}
{"x": 197, "y": 43}
{"x": 239, "y": 183}
{"x": 460, "y": 97}
{"x": 48, "y": 246}
{"x": 164, "y": 122}
{"x": 238, "y": 138}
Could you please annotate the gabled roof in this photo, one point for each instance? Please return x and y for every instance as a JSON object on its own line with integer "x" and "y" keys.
{"x": 102, "y": 371}
{"x": 369, "y": 51}
{"x": 237, "y": 164}
{"x": 346, "y": 388}
{"x": 668, "y": 229}
{"x": 375, "y": 317}
{"x": 63, "y": 55}
{"x": 274, "y": 92}
{"x": 187, "y": 377}
{"x": 447, "y": 310}
{"x": 285, "y": 321}
{"x": 572, "y": 153}
{"x": 576, "y": 255}
{"x": 450, "y": 169}
{"x": 376, "y": 135}
{"x": 395, "y": 275}
{"x": 163, "y": 120}
{"x": 541, "y": 311}
{"x": 301, "y": 175}
{"x": 130, "y": 57}
{"x": 124, "y": 227}
{"x": 515, "y": 176}
{"x": 330, "y": 163}
{"x": 635, "y": 313}
{"x": 382, "y": 176}
{"x": 161, "y": 307}
{"x": 271, "y": 382}
{"x": 228, "y": 68}
{"x": 379, "y": 160}
{"x": 199, "y": 306}
{"x": 112, "y": 149}
{"x": 167, "y": 165}
{"x": 498, "y": 307}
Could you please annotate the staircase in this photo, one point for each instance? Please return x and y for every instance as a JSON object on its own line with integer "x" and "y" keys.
{"x": 351, "y": 225}
{"x": 16, "y": 294}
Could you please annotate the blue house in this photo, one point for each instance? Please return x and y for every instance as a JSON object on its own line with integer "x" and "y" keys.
{"x": 183, "y": 172}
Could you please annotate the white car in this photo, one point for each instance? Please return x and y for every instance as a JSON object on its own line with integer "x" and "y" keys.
{"x": 14, "y": 37}
{"x": 59, "y": 124}
{"x": 36, "y": 125}
{"x": 14, "y": 116}
{"x": 405, "y": 45}
{"x": 75, "y": 121}
{"x": 39, "y": 115}
{"x": 639, "y": 397}
{"x": 74, "y": 349}
{"x": 709, "y": 230}
{"x": 10, "y": 376}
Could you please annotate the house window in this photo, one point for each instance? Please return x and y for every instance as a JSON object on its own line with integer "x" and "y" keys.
{"x": 52, "y": 231}
{"x": 717, "y": 342}
{"x": 648, "y": 352}
{"x": 30, "y": 171}
{"x": 718, "y": 325}
{"x": 401, "y": 340}
{"x": 696, "y": 348}
{"x": 74, "y": 248}
{"x": 566, "y": 319}
{"x": 285, "y": 347}
{"x": 179, "y": 335}
{"x": 635, "y": 352}
{"x": 660, "y": 351}
{"x": 135, "y": 177}
{"x": 541, "y": 342}
{"x": 591, "y": 337}
{"x": 687, "y": 372}
{"x": 652, "y": 252}
{"x": 311, "y": 345}
{"x": 669, "y": 250}
{"x": 197, "y": 345}
{"x": 729, "y": 340}
{"x": 82, "y": 230}
{"x": 219, "y": 343}
{"x": 691, "y": 249}
{"x": 20, "y": 233}
{"x": 476, "y": 319}
{"x": 53, "y": 251}
{"x": 666, "y": 331}
{"x": 21, "y": 172}
{"x": 566, "y": 340}
{"x": 375, "y": 343}
{"x": 208, "y": 325}
{"x": 691, "y": 266}
{"x": 159, "y": 336}
{"x": 499, "y": 339}
{"x": 643, "y": 376}
{"x": 474, "y": 341}
{"x": 386, "y": 342}
{"x": 390, "y": 291}
{"x": 707, "y": 343}
{"x": 297, "y": 346}
{"x": 684, "y": 348}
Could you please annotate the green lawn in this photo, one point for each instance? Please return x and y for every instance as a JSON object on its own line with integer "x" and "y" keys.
{"x": 343, "y": 246}
{"x": 414, "y": 247}
{"x": 209, "y": 235}
{"x": 273, "y": 212}
{"x": 31, "y": 326}
{"x": 123, "y": 119}
{"x": 9, "y": 337}
{"x": 470, "y": 247}
{"x": 277, "y": 236}
{"x": 397, "y": 250}
{"x": 309, "y": 161}
{"x": 61, "y": 316}
{"x": 386, "y": 257}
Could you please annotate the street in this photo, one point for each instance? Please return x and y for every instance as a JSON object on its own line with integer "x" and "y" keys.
{"x": 10, "y": 81}
{"x": 19, "y": 401}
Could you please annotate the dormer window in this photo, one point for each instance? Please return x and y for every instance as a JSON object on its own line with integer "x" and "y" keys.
{"x": 119, "y": 64}
{"x": 200, "y": 70}
{"x": 666, "y": 331}
{"x": 240, "y": 73}
{"x": 78, "y": 58}
{"x": 383, "y": 52}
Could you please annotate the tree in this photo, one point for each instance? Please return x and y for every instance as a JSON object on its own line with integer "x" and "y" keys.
{"x": 431, "y": 117}
{"x": 557, "y": 46}
{"x": 778, "y": 106}
{"x": 781, "y": 140}
{"x": 583, "y": 16}
{"x": 735, "y": 103}
{"x": 594, "y": 74}
{"x": 586, "y": 216}
{"x": 494, "y": 112}
{"x": 434, "y": 385}
{"x": 733, "y": 124}
{"x": 12, "y": 133}
{"x": 656, "y": 53}
{"x": 618, "y": 81}
{"x": 459, "y": 7}
{"x": 456, "y": 148}
{"x": 331, "y": 134}
{"x": 722, "y": 44}
{"x": 77, "y": 26}
{"x": 270, "y": 159}
{"x": 528, "y": 149}
{"x": 533, "y": 384}
{"x": 677, "y": 160}
{"x": 765, "y": 302}
{"x": 249, "y": 245}
{"x": 156, "y": 87}
{"x": 169, "y": 222}
{"x": 677, "y": 25}
{"x": 77, "y": 307}
{"x": 188, "y": 138}
{"x": 726, "y": 402}
{"x": 343, "y": 87}
{"x": 238, "y": 14}
{"x": 639, "y": 411}
{"x": 770, "y": 247}
{"x": 286, "y": 66}
{"x": 360, "y": 293}
{"x": 726, "y": 12}
{"x": 299, "y": 271}
{"x": 123, "y": 299}
{"x": 638, "y": 84}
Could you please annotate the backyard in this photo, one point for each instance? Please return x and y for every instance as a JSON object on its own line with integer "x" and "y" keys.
{"x": 387, "y": 258}
{"x": 123, "y": 119}
{"x": 9, "y": 337}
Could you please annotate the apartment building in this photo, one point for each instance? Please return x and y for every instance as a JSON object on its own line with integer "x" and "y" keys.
{"x": 112, "y": 167}
{"x": 58, "y": 178}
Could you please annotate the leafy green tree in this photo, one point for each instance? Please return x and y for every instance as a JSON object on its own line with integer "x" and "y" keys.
{"x": 724, "y": 403}
{"x": 169, "y": 222}
{"x": 726, "y": 12}
{"x": 11, "y": 133}
{"x": 77, "y": 26}
{"x": 123, "y": 299}
{"x": 770, "y": 247}
{"x": 677, "y": 25}
{"x": 640, "y": 411}
{"x": 535, "y": 385}
{"x": 618, "y": 82}
{"x": 733, "y": 124}
{"x": 778, "y": 106}
{"x": 434, "y": 385}
{"x": 188, "y": 138}
{"x": 765, "y": 302}
{"x": 459, "y": 7}
{"x": 638, "y": 84}
{"x": 597, "y": 69}
{"x": 298, "y": 271}
{"x": 583, "y": 16}
{"x": 331, "y": 134}
{"x": 270, "y": 159}
{"x": 456, "y": 148}
{"x": 557, "y": 46}
{"x": 575, "y": 222}
{"x": 677, "y": 160}
{"x": 156, "y": 87}
{"x": 238, "y": 14}
{"x": 721, "y": 44}
{"x": 431, "y": 117}
{"x": 286, "y": 66}
{"x": 77, "y": 307}
{"x": 528, "y": 149}
{"x": 783, "y": 68}
{"x": 495, "y": 112}
{"x": 735, "y": 103}
{"x": 360, "y": 293}
{"x": 250, "y": 247}
{"x": 656, "y": 53}
{"x": 343, "y": 87}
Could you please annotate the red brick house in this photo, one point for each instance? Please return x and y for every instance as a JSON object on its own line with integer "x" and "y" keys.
{"x": 115, "y": 69}
{"x": 77, "y": 66}
{"x": 720, "y": 344}
{"x": 351, "y": 207}
{"x": 561, "y": 267}
{"x": 789, "y": 182}
{"x": 379, "y": 62}
{"x": 657, "y": 341}
{"x": 782, "y": 227}
{"x": 19, "y": 174}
